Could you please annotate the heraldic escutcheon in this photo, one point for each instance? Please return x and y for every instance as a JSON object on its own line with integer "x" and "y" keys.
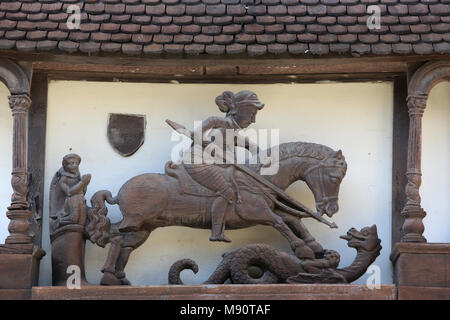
{"x": 126, "y": 133}
{"x": 220, "y": 195}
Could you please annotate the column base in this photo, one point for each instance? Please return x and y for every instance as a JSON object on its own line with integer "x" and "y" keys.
{"x": 411, "y": 237}
{"x": 18, "y": 227}
{"x": 421, "y": 264}
{"x": 19, "y": 266}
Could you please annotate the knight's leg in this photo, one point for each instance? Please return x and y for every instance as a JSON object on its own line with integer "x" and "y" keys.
{"x": 218, "y": 210}
{"x": 299, "y": 229}
{"x": 231, "y": 172}
{"x": 131, "y": 242}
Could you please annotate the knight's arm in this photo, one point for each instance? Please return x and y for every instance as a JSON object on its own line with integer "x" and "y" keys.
{"x": 210, "y": 123}
{"x": 70, "y": 191}
{"x": 244, "y": 141}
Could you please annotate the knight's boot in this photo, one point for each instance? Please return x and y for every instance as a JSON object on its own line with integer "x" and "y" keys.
{"x": 302, "y": 251}
{"x": 217, "y": 233}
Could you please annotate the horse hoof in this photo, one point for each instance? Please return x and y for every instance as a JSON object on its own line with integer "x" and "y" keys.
{"x": 125, "y": 282}
{"x": 109, "y": 279}
{"x": 317, "y": 248}
{"x": 304, "y": 252}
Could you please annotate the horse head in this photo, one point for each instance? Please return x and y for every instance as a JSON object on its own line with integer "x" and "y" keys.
{"x": 324, "y": 179}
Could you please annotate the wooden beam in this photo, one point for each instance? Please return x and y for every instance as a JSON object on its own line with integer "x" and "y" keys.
{"x": 399, "y": 155}
{"x": 37, "y": 120}
{"x": 236, "y": 69}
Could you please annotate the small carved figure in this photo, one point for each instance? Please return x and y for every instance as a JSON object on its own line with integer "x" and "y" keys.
{"x": 280, "y": 267}
{"x": 68, "y": 216}
{"x": 330, "y": 260}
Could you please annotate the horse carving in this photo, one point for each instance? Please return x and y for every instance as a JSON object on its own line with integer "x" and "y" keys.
{"x": 150, "y": 201}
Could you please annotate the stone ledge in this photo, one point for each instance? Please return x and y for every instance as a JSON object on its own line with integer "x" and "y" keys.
{"x": 219, "y": 292}
{"x": 423, "y": 293}
{"x": 419, "y": 248}
{"x": 15, "y": 294}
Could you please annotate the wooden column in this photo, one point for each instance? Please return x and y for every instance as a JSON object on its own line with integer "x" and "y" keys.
{"x": 37, "y": 120}
{"x": 399, "y": 155}
{"x": 18, "y": 211}
{"x": 413, "y": 213}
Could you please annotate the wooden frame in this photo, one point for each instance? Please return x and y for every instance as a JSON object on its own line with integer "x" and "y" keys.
{"x": 419, "y": 87}
{"x": 407, "y": 126}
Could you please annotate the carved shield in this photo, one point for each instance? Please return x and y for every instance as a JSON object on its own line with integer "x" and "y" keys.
{"x": 126, "y": 133}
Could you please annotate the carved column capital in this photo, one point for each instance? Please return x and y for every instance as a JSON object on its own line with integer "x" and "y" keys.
{"x": 416, "y": 105}
{"x": 19, "y": 103}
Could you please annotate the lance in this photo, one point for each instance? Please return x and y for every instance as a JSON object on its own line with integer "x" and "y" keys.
{"x": 182, "y": 130}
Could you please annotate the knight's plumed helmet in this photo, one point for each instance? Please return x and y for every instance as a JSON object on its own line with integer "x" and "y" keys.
{"x": 229, "y": 102}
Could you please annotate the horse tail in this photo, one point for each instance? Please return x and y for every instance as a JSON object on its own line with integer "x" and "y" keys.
{"x": 178, "y": 266}
{"x": 98, "y": 225}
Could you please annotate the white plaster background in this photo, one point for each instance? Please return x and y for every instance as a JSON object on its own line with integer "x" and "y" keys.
{"x": 354, "y": 117}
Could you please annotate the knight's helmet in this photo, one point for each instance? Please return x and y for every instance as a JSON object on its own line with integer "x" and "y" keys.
{"x": 229, "y": 103}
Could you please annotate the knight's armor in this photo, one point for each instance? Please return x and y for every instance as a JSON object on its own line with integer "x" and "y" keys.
{"x": 214, "y": 176}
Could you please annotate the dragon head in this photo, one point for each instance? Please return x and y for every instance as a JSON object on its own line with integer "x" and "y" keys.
{"x": 366, "y": 239}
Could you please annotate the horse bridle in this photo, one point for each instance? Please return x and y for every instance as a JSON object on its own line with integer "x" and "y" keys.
{"x": 320, "y": 166}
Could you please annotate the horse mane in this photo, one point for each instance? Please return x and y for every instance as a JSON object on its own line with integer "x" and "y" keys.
{"x": 298, "y": 149}
{"x": 304, "y": 149}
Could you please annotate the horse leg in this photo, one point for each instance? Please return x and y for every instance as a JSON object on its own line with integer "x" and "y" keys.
{"x": 299, "y": 229}
{"x": 299, "y": 246}
{"x": 109, "y": 278}
{"x": 132, "y": 241}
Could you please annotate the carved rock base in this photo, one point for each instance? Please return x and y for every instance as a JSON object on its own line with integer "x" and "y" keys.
{"x": 19, "y": 266}
{"x": 68, "y": 248}
{"x": 220, "y": 292}
{"x": 421, "y": 264}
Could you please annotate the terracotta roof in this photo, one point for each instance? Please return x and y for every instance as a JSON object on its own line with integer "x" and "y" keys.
{"x": 226, "y": 27}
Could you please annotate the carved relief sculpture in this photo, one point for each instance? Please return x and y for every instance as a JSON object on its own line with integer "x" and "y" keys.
{"x": 262, "y": 264}
{"x": 233, "y": 196}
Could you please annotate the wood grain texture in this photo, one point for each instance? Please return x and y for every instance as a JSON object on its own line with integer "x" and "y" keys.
{"x": 422, "y": 264}
{"x": 423, "y": 293}
{"x": 399, "y": 155}
{"x": 219, "y": 292}
{"x": 37, "y": 123}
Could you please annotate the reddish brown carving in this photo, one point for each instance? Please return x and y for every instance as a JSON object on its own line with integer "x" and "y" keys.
{"x": 419, "y": 87}
{"x": 68, "y": 217}
{"x": 150, "y": 201}
{"x": 260, "y": 263}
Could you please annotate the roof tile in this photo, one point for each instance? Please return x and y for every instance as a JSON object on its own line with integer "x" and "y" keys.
{"x": 256, "y": 49}
{"x": 245, "y": 38}
{"x": 254, "y": 27}
{"x": 215, "y": 49}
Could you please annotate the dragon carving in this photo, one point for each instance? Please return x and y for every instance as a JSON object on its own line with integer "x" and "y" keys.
{"x": 262, "y": 264}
